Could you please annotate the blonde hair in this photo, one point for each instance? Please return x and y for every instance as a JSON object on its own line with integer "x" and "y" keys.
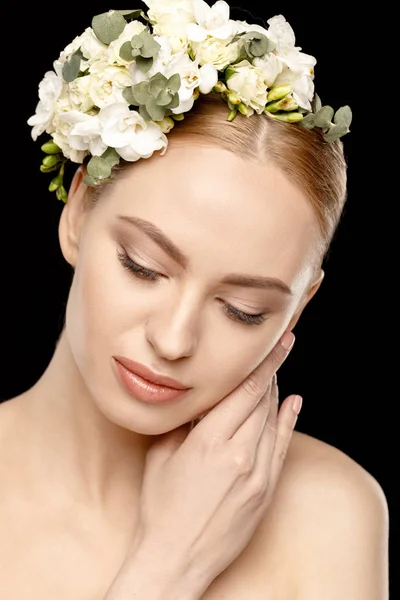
{"x": 317, "y": 167}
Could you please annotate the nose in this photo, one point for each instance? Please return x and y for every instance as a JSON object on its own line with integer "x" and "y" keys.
{"x": 173, "y": 330}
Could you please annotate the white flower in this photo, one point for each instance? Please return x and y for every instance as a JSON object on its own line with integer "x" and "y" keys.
{"x": 211, "y": 21}
{"x": 282, "y": 34}
{"x": 107, "y": 83}
{"x": 216, "y": 52}
{"x": 79, "y": 94}
{"x": 271, "y": 66}
{"x": 76, "y": 156}
{"x": 131, "y": 29}
{"x": 170, "y": 18}
{"x": 248, "y": 83}
{"x": 298, "y": 70}
{"x": 90, "y": 46}
{"x": 127, "y": 132}
{"x": 50, "y": 89}
{"x": 163, "y": 58}
{"x": 192, "y": 77}
{"x": 85, "y": 132}
{"x": 245, "y": 27}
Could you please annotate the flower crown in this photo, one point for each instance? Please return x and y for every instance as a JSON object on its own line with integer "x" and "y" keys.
{"x": 118, "y": 88}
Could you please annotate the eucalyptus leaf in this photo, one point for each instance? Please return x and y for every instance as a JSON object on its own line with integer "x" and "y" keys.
{"x": 137, "y": 43}
{"x": 128, "y": 96}
{"x": 323, "y": 118}
{"x": 71, "y": 68}
{"x": 157, "y": 84}
{"x": 316, "y": 103}
{"x": 174, "y": 82}
{"x": 144, "y": 64}
{"x": 131, "y": 15}
{"x": 89, "y": 180}
{"x": 335, "y": 132}
{"x": 164, "y": 98}
{"x": 108, "y": 26}
{"x": 140, "y": 93}
{"x": 308, "y": 121}
{"x": 98, "y": 168}
{"x": 150, "y": 46}
{"x": 174, "y": 102}
{"x": 144, "y": 114}
{"x": 156, "y": 112}
{"x": 343, "y": 116}
{"x": 111, "y": 156}
{"x": 126, "y": 53}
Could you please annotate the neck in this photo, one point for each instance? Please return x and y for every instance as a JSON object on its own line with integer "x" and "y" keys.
{"x": 73, "y": 445}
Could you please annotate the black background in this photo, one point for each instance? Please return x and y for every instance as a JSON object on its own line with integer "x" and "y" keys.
{"x": 340, "y": 363}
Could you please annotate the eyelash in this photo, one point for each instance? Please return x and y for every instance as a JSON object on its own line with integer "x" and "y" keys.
{"x": 147, "y": 274}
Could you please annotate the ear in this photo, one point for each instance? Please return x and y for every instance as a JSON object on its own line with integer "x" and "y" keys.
{"x": 73, "y": 216}
{"x": 311, "y": 292}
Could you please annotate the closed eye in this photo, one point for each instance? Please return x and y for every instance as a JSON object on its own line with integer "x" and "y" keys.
{"x": 152, "y": 276}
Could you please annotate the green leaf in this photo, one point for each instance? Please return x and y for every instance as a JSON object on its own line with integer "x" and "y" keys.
{"x": 111, "y": 156}
{"x": 164, "y": 98}
{"x": 157, "y": 84}
{"x": 131, "y": 15}
{"x": 324, "y": 116}
{"x": 89, "y": 180}
{"x": 150, "y": 46}
{"x": 144, "y": 64}
{"x": 137, "y": 44}
{"x": 61, "y": 193}
{"x": 140, "y": 93}
{"x": 98, "y": 168}
{"x": 125, "y": 52}
{"x": 144, "y": 114}
{"x": 343, "y": 116}
{"x": 71, "y": 68}
{"x": 335, "y": 132}
{"x": 128, "y": 96}
{"x": 156, "y": 112}
{"x": 174, "y": 102}
{"x": 108, "y": 26}
{"x": 260, "y": 40}
{"x": 316, "y": 103}
{"x": 308, "y": 121}
{"x": 174, "y": 82}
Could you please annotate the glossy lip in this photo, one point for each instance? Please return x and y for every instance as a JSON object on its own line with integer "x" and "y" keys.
{"x": 148, "y": 375}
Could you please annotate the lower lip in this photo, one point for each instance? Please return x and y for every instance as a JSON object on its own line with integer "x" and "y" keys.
{"x": 144, "y": 390}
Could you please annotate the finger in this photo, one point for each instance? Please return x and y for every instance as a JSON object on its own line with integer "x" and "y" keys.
{"x": 286, "y": 422}
{"x": 229, "y": 414}
{"x": 249, "y": 433}
{"x": 265, "y": 448}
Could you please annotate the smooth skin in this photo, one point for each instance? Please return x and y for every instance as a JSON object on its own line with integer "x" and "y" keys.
{"x": 79, "y": 487}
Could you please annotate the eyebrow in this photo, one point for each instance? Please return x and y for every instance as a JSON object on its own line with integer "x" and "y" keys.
{"x": 153, "y": 232}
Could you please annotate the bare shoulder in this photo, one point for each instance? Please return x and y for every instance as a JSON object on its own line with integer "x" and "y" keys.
{"x": 332, "y": 517}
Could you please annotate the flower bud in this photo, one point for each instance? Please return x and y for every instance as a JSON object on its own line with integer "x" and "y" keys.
{"x": 232, "y": 114}
{"x": 288, "y": 103}
{"x": 50, "y": 160}
{"x": 51, "y": 148}
{"x": 166, "y": 124}
{"x": 61, "y": 193}
{"x": 233, "y": 98}
{"x": 290, "y": 117}
{"x": 242, "y": 108}
{"x": 278, "y": 92}
{"x": 55, "y": 183}
{"x": 196, "y": 94}
{"x": 220, "y": 87}
{"x": 178, "y": 117}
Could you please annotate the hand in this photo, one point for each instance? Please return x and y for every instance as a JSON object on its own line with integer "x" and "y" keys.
{"x": 205, "y": 491}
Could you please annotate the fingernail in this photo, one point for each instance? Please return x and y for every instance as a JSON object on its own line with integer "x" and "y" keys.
{"x": 297, "y": 403}
{"x": 287, "y": 340}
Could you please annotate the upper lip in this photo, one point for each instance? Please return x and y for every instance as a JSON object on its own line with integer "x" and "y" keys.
{"x": 149, "y": 375}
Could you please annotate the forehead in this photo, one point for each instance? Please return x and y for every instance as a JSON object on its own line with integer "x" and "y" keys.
{"x": 221, "y": 210}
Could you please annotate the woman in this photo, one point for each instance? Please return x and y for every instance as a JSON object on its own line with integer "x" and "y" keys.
{"x": 173, "y": 474}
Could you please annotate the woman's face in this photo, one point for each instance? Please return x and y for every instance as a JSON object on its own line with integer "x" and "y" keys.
{"x": 216, "y": 241}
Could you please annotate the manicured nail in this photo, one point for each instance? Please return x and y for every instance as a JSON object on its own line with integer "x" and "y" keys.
{"x": 287, "y": 340}
{"x": 297, "y": 403}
